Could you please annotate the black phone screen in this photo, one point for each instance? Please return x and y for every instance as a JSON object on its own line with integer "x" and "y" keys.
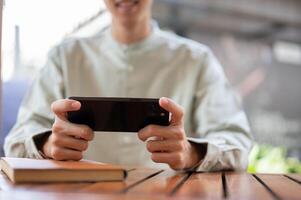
{"x": 118, "y": 114}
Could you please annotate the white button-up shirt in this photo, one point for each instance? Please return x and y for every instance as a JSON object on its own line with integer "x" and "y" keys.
{"x": 163, "y": 64}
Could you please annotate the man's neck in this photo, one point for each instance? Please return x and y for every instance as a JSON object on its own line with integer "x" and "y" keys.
{"x": 130, "y": 33}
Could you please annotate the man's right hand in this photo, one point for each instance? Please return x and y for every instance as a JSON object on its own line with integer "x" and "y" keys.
{"x": 67, "y": 140}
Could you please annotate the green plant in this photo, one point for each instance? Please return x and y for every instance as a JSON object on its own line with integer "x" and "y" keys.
{"x": 268, "y": 159}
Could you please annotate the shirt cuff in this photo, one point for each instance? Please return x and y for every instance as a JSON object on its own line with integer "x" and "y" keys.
{"x": 31, "y": 144}
{"x": 212, "y": 155}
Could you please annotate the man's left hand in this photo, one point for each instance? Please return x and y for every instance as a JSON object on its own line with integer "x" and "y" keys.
{"x": 168, "y": 144}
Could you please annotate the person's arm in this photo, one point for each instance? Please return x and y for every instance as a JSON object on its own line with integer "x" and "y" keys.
{"x": 35, "y": 118}
{"x": 220, "y": 121}
{"x": 222, "y": 139}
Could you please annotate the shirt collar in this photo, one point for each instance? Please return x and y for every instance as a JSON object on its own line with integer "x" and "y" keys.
{"x": 144, "y": 44}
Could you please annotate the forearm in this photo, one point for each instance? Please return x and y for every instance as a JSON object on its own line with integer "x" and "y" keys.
{"x": 20, "y": 142}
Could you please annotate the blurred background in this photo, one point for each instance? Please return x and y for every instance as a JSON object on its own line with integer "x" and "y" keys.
{"x": 258, "y": 43}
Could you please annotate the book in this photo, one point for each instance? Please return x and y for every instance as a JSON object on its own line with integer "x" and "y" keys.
{"x": 25, "y": 170}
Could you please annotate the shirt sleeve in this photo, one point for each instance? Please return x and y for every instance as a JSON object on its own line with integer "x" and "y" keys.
{"x": 220, "y": 120}
{"x": 35, "y": 116}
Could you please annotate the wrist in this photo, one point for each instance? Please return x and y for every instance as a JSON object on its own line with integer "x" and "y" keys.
{"x": 44, "y": 150}
{"x": 197, "y": 153}
{"x": 41, "y": 143}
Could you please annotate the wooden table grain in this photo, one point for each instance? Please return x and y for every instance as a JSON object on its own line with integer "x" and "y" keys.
{"x": 144, "y": 183}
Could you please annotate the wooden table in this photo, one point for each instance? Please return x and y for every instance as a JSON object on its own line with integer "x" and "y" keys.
{"x": 154, "y": 184}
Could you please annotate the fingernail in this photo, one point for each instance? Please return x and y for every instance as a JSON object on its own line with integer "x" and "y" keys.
{"x": 164, "y": 100}
{"x": 75, "y": 104}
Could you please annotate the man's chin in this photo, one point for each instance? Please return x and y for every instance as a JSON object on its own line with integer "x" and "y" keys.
{"x": 128, "y": 20}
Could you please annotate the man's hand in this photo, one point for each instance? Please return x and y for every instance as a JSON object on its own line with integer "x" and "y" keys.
{"x": 67, "y": 141}
{"x": 169, "y": 144}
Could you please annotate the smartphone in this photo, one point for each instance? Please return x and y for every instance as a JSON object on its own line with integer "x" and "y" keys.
{"x": 118, "y": 114}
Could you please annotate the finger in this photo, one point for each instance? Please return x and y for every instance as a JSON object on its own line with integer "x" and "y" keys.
{"x": 165, "y": 132}
{"x": 176, "y": 110}
{"x": 164, "y": 146}
{"x": 174, "y": 160}
{"x": 156, "y": 138}
{"x": 161, "y": 157}
{"x": 66, "y": 154}
{"x": 75, "y": 130}
{"x": 62, "y": 106}
{"x": 80, "y": 131}
{"x": 71, "y": 143}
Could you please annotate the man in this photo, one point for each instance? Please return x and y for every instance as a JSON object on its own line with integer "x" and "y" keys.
{"x": 134, "y": 58}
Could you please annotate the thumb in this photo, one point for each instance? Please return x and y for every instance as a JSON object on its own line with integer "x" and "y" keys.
{"x": 62, "y": 106}
{"x": 177, "y": 112}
